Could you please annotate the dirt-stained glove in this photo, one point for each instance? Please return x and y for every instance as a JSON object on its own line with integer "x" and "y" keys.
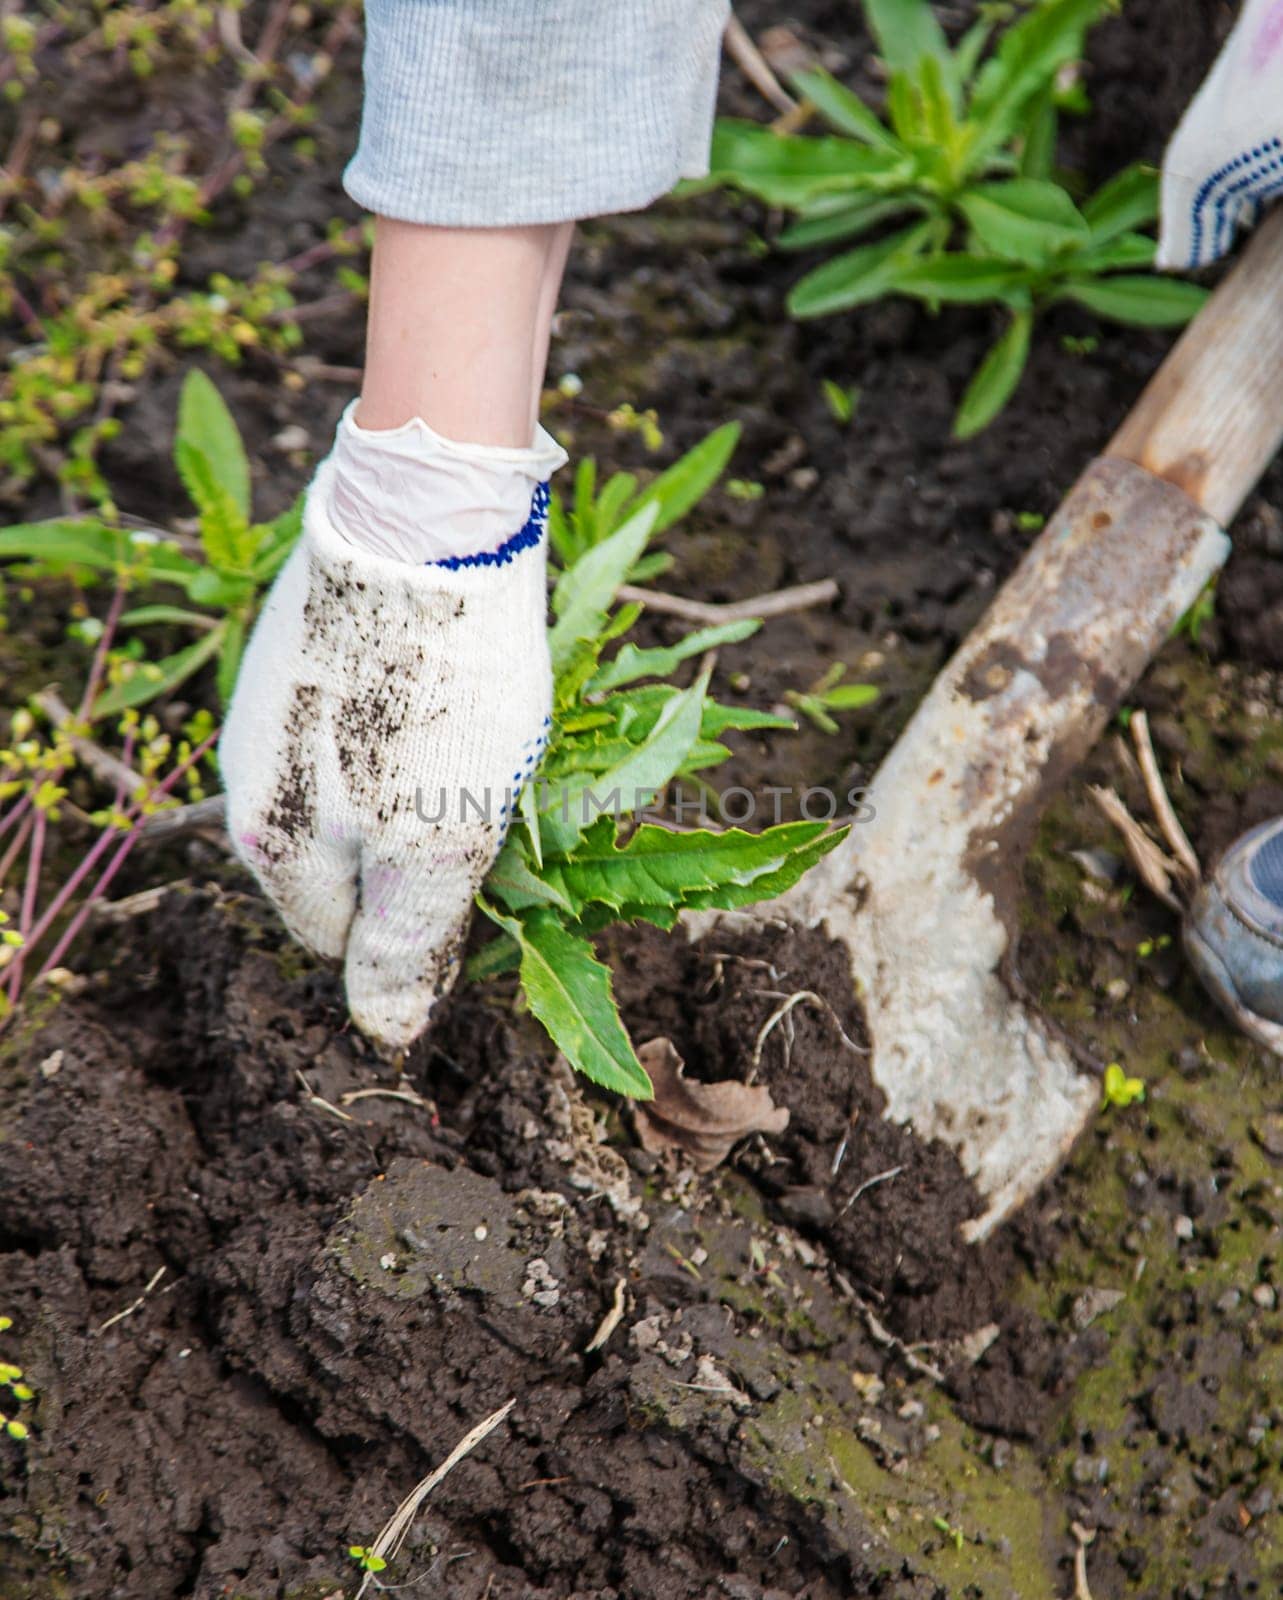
{"x": 385, "y": 716}
{"x": 1225, "y": 161}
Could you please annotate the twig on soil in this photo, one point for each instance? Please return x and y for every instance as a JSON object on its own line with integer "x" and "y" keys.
{"x": 131, "y": 1308}
{"x": 778, "y": 603}
{"x": 105, "y": 766}
{"x": 755, "y": 67}
{"x": 393, "y": 1533}
{"x": 205, "y": 818}
{"x": 881, "y": 1334}
{"x": 412, "y": 1097}
{"x": 870, "y": 1183}
{"x": 322, "y": 1104}
{"x": 141, "y": 904}
{"x": 609, "y": 1322}
{"x": 1168, "y": 822}
{"x": 1155, "y": 868}
{"x": 1084, "y": 1536}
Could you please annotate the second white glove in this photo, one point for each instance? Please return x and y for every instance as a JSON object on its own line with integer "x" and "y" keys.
{"x": 1225, "y": 160}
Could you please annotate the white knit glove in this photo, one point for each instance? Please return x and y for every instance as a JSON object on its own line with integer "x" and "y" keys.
{"x": 379, "y": 706}
{"x": 1225, "y": 160}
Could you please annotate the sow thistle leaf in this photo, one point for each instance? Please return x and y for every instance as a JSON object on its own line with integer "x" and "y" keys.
{"x": 645, "y": 770}
{"x": 1141, "y": 300}
{"x": 633, "y": 662}
{"x": 569, "y": 991}
{"x": 206, "y": 425}
{"x": 996, "y": 378}
{"x": 513, "y": 881}
{"x": 1120, "y": 253}
{"x": 66, "y": 543}
{"x": 857, "y": 276}
{"x": 728, "y": 896}
{"x": 658, "y": 867}
{"x": 1024, "y": 219}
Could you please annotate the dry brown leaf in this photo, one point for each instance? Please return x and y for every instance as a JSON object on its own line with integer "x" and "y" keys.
{"x": 702, "y": 1119}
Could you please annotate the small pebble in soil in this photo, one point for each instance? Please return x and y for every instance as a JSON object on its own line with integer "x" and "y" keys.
{"x": 1093, "y": 1303}
{"x": 1260, "y": 1502}
{"x": 1228, "y": 1302}
{"x": 1183, "y": 1228}
{"x": 1264, "y": 1296}
{"x": 1087, "y": 1470}
{"x": 480, "y": 1232}
{"x": 1268, "y": 1133}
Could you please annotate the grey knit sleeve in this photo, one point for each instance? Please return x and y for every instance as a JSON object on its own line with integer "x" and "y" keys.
{"x": 493, "y": 113}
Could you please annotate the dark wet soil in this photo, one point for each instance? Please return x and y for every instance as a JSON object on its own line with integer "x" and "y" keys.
{"x": 810, "y": 1373}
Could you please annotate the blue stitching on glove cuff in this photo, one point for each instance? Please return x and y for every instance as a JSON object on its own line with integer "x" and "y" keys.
{"x": 526, "y": 536}
{"x": 1271, "y": 147}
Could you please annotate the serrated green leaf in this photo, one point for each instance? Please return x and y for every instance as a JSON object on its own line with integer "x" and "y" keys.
{"x": 632, "y": 662}
{"x": 799, "y": 860}
{"x": 224, "y": 531}
{"x": 205, "y": 424}
{"x": 1023, "y": 219}
{"x": 1140, "y": 300}
{"x": 857, "y": 276}
{"x": 644, "y": 771}
{"x": 995, "y": 379}
{"x": 513, "y": 881}
{"x": 658, "y": 867}
{"x": 570, "y": 992}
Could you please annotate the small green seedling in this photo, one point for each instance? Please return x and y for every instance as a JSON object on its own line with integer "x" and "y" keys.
{"x": 367, "y": 1558}
{"x": 1120, "y": 1090}
{"x": 841, "y": 402}
{"x": 955, "y": 1536}
{"x": 11, "y": 1378}
{"x": 1191, "y": 623}
{"x": 239, "y": 558}
{"x": 828, "y": 694}
{"x": 956, "y": 188}
{"x": 1147, "y": 947}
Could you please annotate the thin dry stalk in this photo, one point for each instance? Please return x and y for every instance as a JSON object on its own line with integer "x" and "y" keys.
{"x": 1155, "y": 868}
{"x": 108, "y": 768}
{"x": 755, "y": 67}
{"x": 1084, "y": 1537}
{"x": 609, "y": 1322}
{"x": 393, "y": 1533}
{"x": 135, "y": 1304}
{"x": 1164, "y": 814}
{"x": 778, "y": 603}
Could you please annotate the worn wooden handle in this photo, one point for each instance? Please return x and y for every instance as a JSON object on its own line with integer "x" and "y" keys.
{"x": 1211, "y": 418}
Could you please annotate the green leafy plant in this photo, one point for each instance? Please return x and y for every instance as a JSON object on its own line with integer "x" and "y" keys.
{"x": 236, "y": 558}
{"x": 956, "y": 184}
{"x": 828, "y": 694}
{"x": 577, "y": 857}
{"x": 367, "y": 1558}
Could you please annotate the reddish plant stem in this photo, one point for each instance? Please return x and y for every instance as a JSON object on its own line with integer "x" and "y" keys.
{"x": 27, "y": 914}
{"x": 316, "y": 255}
{"x": 113, "y": 867}
{"x": 99, "y": 664}
{"x": 20, "y": 839}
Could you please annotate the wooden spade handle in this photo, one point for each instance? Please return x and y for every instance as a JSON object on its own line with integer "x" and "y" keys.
{"x": 1211, "y": 419}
